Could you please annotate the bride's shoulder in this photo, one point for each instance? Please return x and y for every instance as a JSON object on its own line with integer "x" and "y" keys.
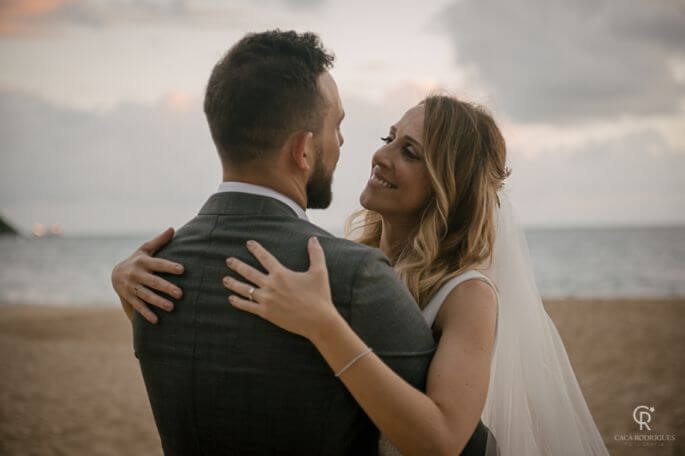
{"x": 471, "y": 298}
{"x": 466, "y": 284}
{"x": 471, "y": 292}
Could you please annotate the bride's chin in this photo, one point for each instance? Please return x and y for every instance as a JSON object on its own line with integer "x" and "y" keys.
{"x": 366, "y": 200}
{"x": 363, "y": 197}
{"x": 369, "y": 206}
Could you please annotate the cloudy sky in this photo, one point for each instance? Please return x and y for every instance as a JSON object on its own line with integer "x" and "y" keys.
{"x": 101, "y": 127}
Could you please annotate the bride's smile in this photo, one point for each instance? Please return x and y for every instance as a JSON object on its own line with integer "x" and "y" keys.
{"x": 399, "y": 185}
{"x": 376, "y": 180}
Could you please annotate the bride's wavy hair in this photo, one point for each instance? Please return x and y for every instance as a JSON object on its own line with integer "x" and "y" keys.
{"x": 465, "y": 155}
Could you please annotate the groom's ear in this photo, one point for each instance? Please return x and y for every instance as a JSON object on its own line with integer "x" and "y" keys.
{"x": 302, "y": 149}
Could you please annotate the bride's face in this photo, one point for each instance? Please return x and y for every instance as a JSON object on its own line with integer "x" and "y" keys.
{"x": 399, "y": 185}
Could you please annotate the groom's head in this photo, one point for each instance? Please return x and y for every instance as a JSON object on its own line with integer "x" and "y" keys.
{"x": 272, "y": 105}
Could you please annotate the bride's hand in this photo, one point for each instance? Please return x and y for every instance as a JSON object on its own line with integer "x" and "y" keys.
{"x": 134, "y": 279}
{"x": 299, "y": 302}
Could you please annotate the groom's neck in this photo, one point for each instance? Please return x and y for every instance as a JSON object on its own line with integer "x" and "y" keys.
{"x": 270, "y": 178}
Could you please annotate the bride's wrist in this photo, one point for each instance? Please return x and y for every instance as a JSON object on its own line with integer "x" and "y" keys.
{"x": 326, "y": 329}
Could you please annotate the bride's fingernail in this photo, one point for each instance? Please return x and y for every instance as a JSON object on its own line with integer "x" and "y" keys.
{"x": 226, "y": 280}
{"x": 250, "y": 243}
{"x": 179, "y": 268}
{"x": 229, "y": 262}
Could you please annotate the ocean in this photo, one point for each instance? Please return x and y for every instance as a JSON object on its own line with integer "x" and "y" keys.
{"x": 569, "y": 263}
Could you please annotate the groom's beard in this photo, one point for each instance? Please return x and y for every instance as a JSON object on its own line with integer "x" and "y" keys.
{"x": 319, "y": 193}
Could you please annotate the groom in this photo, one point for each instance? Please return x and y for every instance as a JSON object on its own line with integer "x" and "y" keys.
{"x": 222, "y": 381}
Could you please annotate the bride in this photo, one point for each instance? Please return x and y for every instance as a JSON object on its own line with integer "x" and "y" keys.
{"x": 465, "y": 261}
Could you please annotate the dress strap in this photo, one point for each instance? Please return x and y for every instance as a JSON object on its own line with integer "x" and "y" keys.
{"x": 430, "y": 312}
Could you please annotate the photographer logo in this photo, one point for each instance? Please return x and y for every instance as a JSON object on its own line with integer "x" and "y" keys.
{"x": 642, "y": 416}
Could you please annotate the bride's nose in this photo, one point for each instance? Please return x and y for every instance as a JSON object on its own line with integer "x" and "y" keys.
{"x": 382, "y": 157}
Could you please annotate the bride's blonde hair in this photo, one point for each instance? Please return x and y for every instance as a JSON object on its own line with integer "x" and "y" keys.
{"x": 465, "y": 156}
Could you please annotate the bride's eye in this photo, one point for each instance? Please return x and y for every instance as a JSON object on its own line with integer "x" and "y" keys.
{"x": 409, "y": 152}
{"x": 387, "y": 139}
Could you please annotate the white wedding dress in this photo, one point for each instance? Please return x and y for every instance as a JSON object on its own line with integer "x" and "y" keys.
{"x": 534, "y": 405}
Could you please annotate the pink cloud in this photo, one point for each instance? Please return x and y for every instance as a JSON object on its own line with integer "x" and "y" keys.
{"x": 21, "y": 16}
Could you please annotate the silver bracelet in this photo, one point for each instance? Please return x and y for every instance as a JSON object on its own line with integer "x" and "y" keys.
{"x": 354, "y": 360}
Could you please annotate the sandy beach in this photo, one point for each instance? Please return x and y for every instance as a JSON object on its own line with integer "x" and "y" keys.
{"x": 70, "y": 384}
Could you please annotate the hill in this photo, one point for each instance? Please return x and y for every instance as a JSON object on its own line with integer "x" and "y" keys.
{"x": 6, "y": 228}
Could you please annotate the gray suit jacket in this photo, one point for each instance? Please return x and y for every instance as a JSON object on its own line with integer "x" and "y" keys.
{"x": 223, "y": 381}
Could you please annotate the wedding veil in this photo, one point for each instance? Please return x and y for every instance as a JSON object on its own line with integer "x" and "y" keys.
{"x": 534, "y": 405}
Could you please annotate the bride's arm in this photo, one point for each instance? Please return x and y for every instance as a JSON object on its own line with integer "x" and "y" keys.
{"x": 438, "y": 422}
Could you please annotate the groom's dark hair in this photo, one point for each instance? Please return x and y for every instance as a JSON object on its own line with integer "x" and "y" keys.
{"x": 263, "y": 90}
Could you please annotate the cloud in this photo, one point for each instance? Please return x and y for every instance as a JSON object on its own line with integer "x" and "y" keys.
{"x": 558, "y": 60}
{"x": 535, "y": 139}
{"x": 39, "y": 16}
{"x": 19, "y": 17}
{"x": 140, "y": 168}
{"x": 16, "y": 15}
{"x": 99, "y": 13}
{"x": 633, "y": 178}
{"x": 97, "y": 172}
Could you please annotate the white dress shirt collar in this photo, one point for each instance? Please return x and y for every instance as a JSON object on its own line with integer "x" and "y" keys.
{"x": 242, "y": 187}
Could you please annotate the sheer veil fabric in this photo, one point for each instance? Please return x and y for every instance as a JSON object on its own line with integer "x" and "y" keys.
{"x": 534, "y": 404}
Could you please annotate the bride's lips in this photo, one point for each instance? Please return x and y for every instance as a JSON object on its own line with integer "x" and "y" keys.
{"x": 377, "y": 180}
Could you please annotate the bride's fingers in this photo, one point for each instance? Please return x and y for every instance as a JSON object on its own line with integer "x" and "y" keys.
{"x": 247, "y": 306}
{"x": 157, "y": 283}
{"x": 142, "y": 309}
{"x": 152, "y": 298}
{"x": 161, "y": 265}
{"x": 317, "y": 258}
{"x": 262, "y": 255}
{"x": 237, "y": 286}
{"x": 156, "y": 243}
{"x": 247, "y": 271}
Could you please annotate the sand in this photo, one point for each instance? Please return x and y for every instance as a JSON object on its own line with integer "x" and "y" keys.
{"x": 70, "y": 385}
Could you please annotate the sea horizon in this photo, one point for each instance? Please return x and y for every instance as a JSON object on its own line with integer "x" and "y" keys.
{"x": 589, "y": 262}
{"x": 338, "y": 230}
